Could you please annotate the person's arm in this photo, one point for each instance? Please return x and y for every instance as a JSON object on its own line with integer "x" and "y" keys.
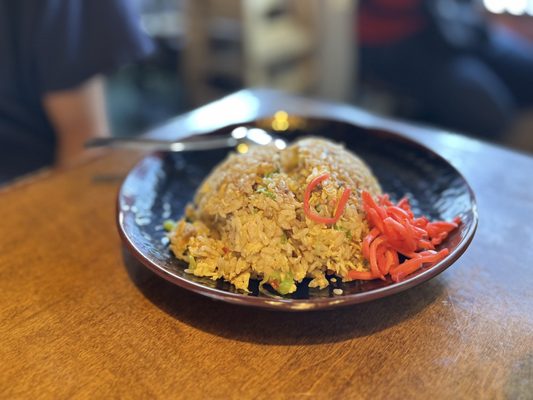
{"x": 77, "y": 115}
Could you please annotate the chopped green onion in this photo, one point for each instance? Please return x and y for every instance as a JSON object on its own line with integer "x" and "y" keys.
{"x": 347, "y": 232}
{"x": 286, "y": 286}
{"x": 269, "y": 175}
{"x": 267, "y": 193}
{"x": 282, "y": 286}
{"x": 169, "y": 225}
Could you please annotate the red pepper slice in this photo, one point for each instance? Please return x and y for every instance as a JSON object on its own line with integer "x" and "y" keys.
{"x": 398, "y": 213}
{"x": 381, "y": 254}
{"x": 369, "y": 203}
{"x": 339, "y": 209}
{"x": 374, "y": 257}
{"x": 360, "y": 275}
{"x": 373, "y": 216}
{"x": 367, "y": 240}
{"x": 394, "y": 231}
{"x": 385, "y": 201}
{"x": 410, "y": 266}
{"x": 390, "y": 260}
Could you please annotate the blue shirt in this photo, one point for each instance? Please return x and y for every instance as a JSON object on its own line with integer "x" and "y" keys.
{"x": 51, "y": 45}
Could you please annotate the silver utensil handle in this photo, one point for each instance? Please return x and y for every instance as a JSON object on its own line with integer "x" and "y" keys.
{"x": 140, "y": 143}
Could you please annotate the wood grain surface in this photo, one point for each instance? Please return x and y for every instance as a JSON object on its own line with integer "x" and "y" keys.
{"x": 79, "y": 318}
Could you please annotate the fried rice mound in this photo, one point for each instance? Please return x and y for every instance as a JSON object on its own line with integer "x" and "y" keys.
{"x": 248, "y": 220}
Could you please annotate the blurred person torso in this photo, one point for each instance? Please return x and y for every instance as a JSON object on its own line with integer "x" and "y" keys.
{"x": 455, "y": 23}
{"x": 50, "y": 46}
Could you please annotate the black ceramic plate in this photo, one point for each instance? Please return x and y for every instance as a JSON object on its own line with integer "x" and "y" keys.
{"x": 159, "y": 187}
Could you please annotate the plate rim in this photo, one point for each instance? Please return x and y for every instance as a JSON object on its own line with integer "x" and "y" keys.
{"x": 282, "y": 304}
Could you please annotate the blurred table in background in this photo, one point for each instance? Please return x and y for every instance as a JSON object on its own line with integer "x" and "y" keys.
{"x": 79, "y": 318}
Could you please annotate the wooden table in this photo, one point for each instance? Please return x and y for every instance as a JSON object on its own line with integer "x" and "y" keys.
{"x": 80, "y": 319}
